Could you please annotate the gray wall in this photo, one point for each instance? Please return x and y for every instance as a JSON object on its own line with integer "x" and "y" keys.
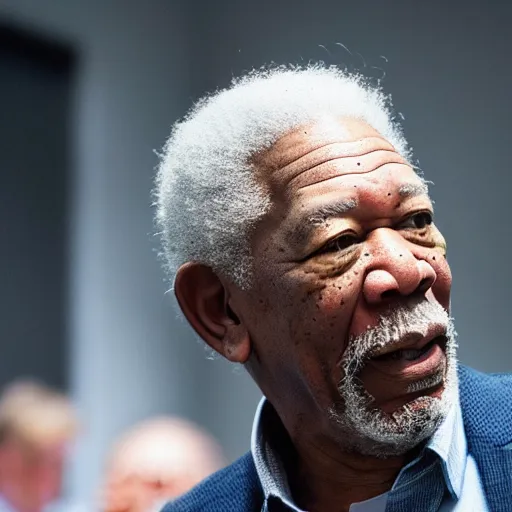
{"x": 35, "y": 89}
{"x": 142, "y": 66}
{"x": 130, "y": 356}
{"x": 447, "y": 66}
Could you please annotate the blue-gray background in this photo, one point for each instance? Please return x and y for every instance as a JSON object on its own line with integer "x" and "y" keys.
{"x": 139, "y": 67}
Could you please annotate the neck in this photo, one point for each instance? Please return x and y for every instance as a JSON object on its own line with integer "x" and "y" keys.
{"x": 323, "y": 475}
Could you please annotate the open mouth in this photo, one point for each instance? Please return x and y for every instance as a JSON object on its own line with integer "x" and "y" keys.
{"x": 412, "y": 354}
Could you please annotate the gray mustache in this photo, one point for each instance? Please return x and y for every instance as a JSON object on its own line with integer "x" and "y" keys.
{"x": 413, "y": 319}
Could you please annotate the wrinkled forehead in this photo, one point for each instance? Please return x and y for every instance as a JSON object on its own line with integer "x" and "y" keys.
{"x": 326, "y": 149}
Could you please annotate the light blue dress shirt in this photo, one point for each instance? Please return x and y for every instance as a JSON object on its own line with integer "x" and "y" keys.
{"x": 61, "y": 506}
{"x": 5, "y": 506}
{"x": 443, "y": 478}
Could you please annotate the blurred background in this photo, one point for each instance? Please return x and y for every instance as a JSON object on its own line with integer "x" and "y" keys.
{"x": 88, "y": 92}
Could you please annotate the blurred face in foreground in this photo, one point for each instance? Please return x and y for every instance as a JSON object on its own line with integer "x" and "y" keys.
{"x": 155, "y": 462}
{"x": 345, "y": 327}
{"x": 33, "y": 474}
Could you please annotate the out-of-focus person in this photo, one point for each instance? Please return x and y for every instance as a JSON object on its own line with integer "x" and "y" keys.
{"x": 157, "y": 461}
{"x": 37, "y": 425}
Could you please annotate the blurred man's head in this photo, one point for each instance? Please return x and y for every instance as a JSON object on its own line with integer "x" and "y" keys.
{"x": 157, "y": 461}
{"x": 37, "y": 424}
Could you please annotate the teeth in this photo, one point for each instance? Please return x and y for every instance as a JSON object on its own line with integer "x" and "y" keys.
{"x": 411, "y": 355}
{"x": 408, "y": 355}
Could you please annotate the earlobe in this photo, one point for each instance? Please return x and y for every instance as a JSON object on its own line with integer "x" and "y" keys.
{"x": 204, "y": 299}
{"x": 237, "y": 345}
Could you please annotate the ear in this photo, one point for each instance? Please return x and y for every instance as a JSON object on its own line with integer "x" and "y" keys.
{"x": 205, "y": 301}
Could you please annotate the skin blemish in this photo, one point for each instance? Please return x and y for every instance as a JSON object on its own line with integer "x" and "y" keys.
{"x": 342, "y": 302}
{"x": 389, "y": 193}
{"x": 397, "y": 205}
{"x": 367, "y": 254}
{"x": 358, "y": 163}
{"x": 433, "y": 257}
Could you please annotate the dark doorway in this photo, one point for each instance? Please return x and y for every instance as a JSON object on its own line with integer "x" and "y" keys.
{"x": 36, "y": 80}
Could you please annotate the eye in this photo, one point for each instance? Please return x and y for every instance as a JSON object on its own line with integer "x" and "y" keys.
{"x": 340, "y": 243}
{"x": 419, "y": 220}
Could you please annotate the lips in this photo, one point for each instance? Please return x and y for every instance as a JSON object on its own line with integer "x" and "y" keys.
{"x": 414, "y": 361}
{"x": 410, "y": 352}
{"x": 413, "y": 344}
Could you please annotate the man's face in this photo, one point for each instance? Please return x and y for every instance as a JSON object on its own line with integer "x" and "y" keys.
{"x": 34, "y": 468}
{"x": 44, "y": 472}
{"x": 349, "y": 240}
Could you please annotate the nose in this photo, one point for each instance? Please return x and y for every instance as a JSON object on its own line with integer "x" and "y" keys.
{"x": 394, "y": 271}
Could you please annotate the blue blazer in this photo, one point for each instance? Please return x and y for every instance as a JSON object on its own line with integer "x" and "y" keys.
{"x": 486, "y": 402}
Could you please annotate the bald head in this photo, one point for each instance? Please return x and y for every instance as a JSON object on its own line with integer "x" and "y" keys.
{"x": 158, "y": 459}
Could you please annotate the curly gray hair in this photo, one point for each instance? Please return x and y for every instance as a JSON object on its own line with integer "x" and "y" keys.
{"x": 207, "y": 198}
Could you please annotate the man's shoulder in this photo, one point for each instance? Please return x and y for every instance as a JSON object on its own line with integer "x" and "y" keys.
{"x": 235, "y": 488}
{"x": 486, "y": 402}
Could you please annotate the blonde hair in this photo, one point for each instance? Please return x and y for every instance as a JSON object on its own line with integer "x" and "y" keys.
{"x": 36, "y": 415}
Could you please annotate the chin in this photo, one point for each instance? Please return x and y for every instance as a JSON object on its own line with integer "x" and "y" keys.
{"x": 401, "y": 425}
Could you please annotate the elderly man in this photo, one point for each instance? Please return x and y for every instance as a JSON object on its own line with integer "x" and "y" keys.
{"x": 155, "y": 461}
{"x": 37, "y": 425}
{"x": 302, "y": 245}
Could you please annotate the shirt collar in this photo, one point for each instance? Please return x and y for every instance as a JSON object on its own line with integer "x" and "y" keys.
{"x": 269, "y": 465}
{"x": 448, "y": 442}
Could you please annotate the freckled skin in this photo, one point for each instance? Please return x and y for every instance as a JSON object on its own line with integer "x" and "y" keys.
{"x": 316, "y": 299}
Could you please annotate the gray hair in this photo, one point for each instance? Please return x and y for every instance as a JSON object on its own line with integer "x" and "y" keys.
{"x": 206, "y": 196}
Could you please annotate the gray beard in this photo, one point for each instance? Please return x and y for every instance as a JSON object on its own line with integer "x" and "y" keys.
{"x": 370, "y": 431}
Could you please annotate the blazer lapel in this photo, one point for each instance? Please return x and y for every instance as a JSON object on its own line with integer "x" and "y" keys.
{"x": 495, "y": 468}
{"x": 486, "y": 402}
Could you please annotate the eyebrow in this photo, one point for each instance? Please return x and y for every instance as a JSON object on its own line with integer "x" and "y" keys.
{"x": 413, "y": 189}
{"x": 322, "y": 213}
{"x": 319, "y": 216}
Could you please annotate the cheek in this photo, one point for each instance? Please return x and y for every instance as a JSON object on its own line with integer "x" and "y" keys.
{"x": 301, "y": 327}
{"x": 321, "y": 316}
